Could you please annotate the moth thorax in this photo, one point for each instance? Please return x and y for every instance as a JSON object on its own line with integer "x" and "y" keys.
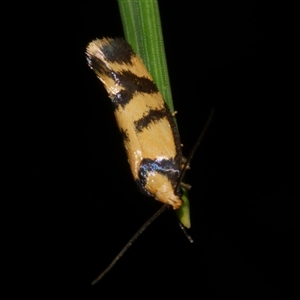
{"x": 161, "y": 188}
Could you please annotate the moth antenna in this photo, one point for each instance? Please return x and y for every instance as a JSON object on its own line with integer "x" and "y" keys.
{"x": 129, "y": 243}
{"x": 188, "y": 160}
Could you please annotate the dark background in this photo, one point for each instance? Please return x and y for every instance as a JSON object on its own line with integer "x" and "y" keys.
{"x": 239, "y": 57}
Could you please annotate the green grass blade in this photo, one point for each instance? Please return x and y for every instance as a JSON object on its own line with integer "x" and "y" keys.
{"x": 142, "y": 28}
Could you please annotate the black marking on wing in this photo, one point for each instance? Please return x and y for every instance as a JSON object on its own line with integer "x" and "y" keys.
{"x": 152, "y": 116}
{"x": 97, "y": 65}
{"x": 167, "y": 167}
{"x": 141, "y": 186}
{"x": 132, "y": 84}
{"x": 124, "y": 134}
{"x": 118, "y": 51}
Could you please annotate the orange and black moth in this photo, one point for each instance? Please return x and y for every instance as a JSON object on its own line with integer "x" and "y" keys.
{"x": 147, "y": 126}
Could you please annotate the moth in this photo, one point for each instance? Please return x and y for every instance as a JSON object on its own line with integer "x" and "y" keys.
{"x": 147, "y": 126}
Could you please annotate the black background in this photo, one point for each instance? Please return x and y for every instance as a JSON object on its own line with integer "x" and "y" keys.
{"x": 239, "y": 57}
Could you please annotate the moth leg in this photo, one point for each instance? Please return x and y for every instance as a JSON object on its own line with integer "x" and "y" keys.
{"x": 183, "y": 162}
{"x": 185, "y": 185}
